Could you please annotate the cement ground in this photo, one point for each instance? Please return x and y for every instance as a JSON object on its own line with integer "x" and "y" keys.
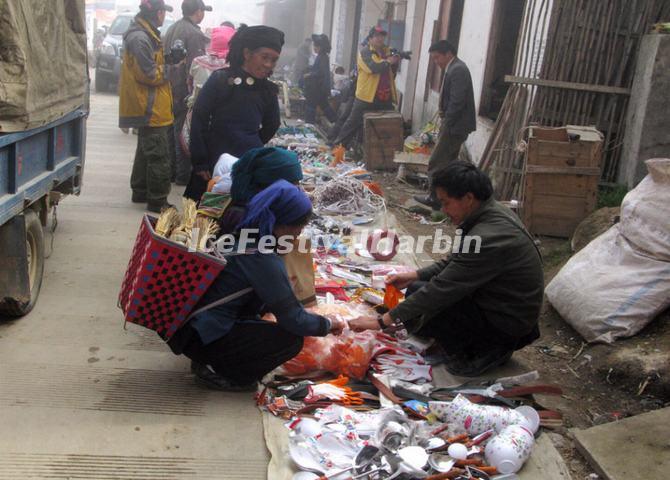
{"x": 80, "y": 397}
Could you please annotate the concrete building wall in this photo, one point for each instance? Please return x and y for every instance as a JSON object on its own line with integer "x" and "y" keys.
{"x": 406, "y": 81}
{"x": 473, "y": 44}
{"x": 423, "y": 110}
{"x": 473, "y": 47}
{"x": 320, "y": 16}
{"x": 323, "y": 17}
{"x": 343, "y": 26}
{"x": 647, "y": 121}
{"x": 371, "y": 12}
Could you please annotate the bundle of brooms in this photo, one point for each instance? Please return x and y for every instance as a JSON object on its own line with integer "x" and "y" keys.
{"x": 187, "y": 228}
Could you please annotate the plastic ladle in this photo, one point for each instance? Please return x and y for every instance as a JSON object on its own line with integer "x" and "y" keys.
{"x": 365, "y": 457}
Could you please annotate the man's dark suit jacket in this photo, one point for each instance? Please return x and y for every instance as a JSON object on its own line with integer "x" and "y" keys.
{"x": 457, "y": 100}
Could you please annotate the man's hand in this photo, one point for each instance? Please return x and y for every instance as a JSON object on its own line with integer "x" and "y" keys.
{"x": 394, "y": 59}
{"x": 336, "y": 324}
{"x": 364, "y": 323}
{"x": 204, "y": 174}
{"x": 402, "y": 280}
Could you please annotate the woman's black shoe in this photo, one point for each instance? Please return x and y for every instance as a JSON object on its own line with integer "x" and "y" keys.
{"x": 206, "y": 377}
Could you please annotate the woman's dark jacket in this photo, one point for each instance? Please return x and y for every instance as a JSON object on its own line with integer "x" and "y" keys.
{"x": 233, "y": 113}
{"x": 318, "y": 81}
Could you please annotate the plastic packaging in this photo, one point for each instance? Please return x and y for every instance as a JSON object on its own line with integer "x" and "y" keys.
{"x": 349, "y": 354}
{"x": 392, "y": 297}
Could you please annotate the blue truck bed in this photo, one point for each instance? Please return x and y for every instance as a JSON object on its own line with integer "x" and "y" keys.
{"x": 35, "y": 162}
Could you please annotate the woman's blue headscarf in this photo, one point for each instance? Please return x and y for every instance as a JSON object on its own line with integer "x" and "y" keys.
{"x": 282, "y": 203}
{"x": 260, "y": 167}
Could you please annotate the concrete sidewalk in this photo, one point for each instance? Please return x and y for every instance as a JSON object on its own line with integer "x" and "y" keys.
{"x": 82, "y": 398}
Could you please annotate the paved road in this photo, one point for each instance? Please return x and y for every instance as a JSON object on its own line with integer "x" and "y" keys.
{"x": 80, "y": 398}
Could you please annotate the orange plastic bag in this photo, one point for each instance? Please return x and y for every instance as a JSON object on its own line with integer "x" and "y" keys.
{"x": 349, "y": 354}
{"x": 392, "y": 297}
{"x": 375, "y": 188}
{"x": 338, "y": 153}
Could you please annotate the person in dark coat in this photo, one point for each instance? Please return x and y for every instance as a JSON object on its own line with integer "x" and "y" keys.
{"x": 456, "y": 108}
{"x": 301, "y": 63}
{"x": 482, "y": 302}
{"x": 318, "y": 82}
{"x": 195, "y": 41}
{"x": 238, "y": 107}
{"x": 230, "y": 346}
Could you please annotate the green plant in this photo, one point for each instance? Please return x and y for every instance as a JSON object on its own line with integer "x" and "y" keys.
{"x": 556, "y": 254}
{"x": 611, "y": 196}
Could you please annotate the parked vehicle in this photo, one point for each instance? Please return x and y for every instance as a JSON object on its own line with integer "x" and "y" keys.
{"x": 42, "y": 137}
{"x": 110, "y": 53}
{"x": 39, "y": 167}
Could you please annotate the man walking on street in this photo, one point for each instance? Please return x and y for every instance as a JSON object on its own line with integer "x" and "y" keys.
{"x": 195, "y": 41}
{"x": 457, "y": 111}
{"x": 145, "y": 103}
{"x": 375, "y": 87}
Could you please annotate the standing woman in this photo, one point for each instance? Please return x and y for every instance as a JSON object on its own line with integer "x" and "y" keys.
{"x": 318, "y": 81}
{"x": 238, "y": 108}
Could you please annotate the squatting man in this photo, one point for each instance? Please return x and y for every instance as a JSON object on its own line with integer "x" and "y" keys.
{"x": 479, "y": 307}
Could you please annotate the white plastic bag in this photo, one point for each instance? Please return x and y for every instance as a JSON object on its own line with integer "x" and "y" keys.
{"x": 645, "y": 212}
{"x": 222, "y": 170}
{"x": 621, "y": 280}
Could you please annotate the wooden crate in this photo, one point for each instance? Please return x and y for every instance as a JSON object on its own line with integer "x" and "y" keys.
{"x": 561, "y": 178}
{"x": 384, "y": 136}
{"x": 297, "y": 106}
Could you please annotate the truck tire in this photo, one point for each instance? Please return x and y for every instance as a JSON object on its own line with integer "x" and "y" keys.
{"x": 35, "y": 246}
{"x": 101, "y": 81}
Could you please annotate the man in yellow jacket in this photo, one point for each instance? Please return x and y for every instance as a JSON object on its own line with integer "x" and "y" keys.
{"x": 145, "y": 103}
{"x": 375, "y": 88}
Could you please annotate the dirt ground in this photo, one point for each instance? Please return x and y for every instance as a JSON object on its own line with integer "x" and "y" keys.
{"x": 601, "y": 383}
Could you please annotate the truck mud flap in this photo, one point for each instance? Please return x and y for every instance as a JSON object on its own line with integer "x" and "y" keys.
{"x": 14, "y": 275}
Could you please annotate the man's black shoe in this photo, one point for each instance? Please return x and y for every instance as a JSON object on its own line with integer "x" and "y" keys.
{"x": 428, "y": 201}
{"x": 158, "y": 207}
{"x": 206, "y": 377}
{"x": 475, "y": 366}
{"x": 139, "y": 197}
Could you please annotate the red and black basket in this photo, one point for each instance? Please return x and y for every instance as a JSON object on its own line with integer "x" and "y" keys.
{"x": 164, "y": 281}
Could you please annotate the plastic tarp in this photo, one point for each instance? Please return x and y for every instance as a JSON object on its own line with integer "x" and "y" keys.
{"x": 619, "y": 282}
{"x": 43, "y": 61}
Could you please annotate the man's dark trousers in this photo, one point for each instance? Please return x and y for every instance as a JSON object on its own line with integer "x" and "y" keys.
{"x": 151, "y": 169}
{"x": 354, "y": 123}
{"x": 446, "y": 149}
{"x": 182, "y": 168}
{"x": 463, "y": 330}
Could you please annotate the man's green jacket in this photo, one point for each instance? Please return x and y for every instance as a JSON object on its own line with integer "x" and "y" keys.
{"x": 504, "y": 279}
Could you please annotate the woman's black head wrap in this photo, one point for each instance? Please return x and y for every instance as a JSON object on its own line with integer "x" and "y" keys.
{"x": 322, "y": 41}
{"x": 253, "y": 38}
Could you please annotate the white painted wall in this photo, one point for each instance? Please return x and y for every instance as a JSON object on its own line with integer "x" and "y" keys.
{"x": 343, "y": 26}
{"x": 320, "y": 16}
{"x": 401, "y": 78}
{"x": 407, "y": 79}
{"x": 420, "y": 110}
{"x": 371, "y": 12}
{"x": 473, "y": 44}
